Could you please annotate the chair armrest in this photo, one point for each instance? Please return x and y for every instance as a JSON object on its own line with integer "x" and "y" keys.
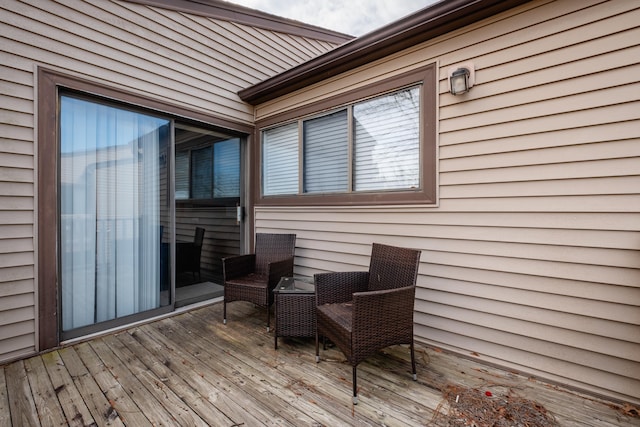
{"x": 279, "y": 269}
{"x": 384, "y": 312}
{"x": 237, "y": 266}
{"x": 339, "y": 286}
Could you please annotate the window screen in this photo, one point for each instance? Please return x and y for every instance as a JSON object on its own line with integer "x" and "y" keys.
{"x": 326, "y": 154}
{"x": 280, "y": 160}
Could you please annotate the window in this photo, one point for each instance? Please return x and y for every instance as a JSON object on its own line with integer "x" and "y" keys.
{"x": 387, "y": 142}
{"x": 370, "y": 149}
{"x": 385, "y": 151}
{"x": 207, "y": 165}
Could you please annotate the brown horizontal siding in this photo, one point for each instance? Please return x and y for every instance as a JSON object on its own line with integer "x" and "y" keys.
{"x": 226, "y": 11}
{"x": 17, "y": 298}
{"x": 191, "y": 62}
{"x": 521, "y": 230}
{"x": 561, "y": 187}
{"x": 508, "y": 350}
{"x": 589, "y": 316}
{"x": 613, "y": 140}
{"x": 558, "y": 122}
{"x": 154, "y": 51}
{"x": 530, "y": 260}
{"x": 475, "y": 311}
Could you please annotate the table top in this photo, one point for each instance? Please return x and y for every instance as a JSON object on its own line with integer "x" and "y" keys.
{"x": 294, "y": 285}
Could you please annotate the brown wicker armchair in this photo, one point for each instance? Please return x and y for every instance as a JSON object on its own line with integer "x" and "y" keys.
{"x": 363, "y": 312}
{"x": 252, "y": 277}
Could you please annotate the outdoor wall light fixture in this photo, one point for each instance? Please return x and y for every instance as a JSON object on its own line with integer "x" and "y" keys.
{"x": 461, "y": 78}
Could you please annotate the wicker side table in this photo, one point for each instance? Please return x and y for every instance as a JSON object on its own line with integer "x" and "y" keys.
{"x": 295, "y": 309}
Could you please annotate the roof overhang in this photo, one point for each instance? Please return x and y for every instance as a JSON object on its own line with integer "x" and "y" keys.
{"x": 426, "y": 24}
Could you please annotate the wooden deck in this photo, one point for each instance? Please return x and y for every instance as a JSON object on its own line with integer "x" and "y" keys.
{"x": 190, "y": 369}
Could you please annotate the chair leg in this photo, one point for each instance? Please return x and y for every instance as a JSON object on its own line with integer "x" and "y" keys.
{"x": 355, "y": 387}
{"x": 224, "y": 312}
{"x": 317, "y": 347}
{"x": 413, "y": 362}
{"x": 268, "y": 318}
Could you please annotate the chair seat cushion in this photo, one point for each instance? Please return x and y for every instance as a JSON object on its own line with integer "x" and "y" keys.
{"x": 338, "y": 313}
{"x": 251, "y": 280}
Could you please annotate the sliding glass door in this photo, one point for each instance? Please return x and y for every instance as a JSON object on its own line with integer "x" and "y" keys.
{"x": 208, "y": 189}
{"x": 114, "y": 210}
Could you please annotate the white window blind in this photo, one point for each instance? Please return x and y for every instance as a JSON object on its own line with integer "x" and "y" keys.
{"x": 280, "y": 160}
{"x": 387, "y": 142}
{"x": 201, "y": 173}
{"x": 182, "y": 175}
{"x": 326, "y": 154}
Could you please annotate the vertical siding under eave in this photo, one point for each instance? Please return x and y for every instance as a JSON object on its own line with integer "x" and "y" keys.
{"x": 192, "y": 62}
{"x": 532, "y": 258}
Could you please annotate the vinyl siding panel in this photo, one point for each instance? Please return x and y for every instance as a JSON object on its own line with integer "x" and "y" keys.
{"x": 531, "y": 256}
{"x": 192, "y": 62}
{"x": 147, "y": 50}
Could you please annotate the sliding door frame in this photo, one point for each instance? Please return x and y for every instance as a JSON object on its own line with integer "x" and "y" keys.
{"x": 50, "y": 84}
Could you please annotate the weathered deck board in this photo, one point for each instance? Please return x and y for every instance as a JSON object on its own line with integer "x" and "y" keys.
{"x": 5, "y": 413}
{"x": 144, "y": 359}
{"x": 191, "y": 369}
{"x": 85, "y": 385}
{"x": 256, "y": 388}
{"x": 143, "y": 397}
{"x": 324, "y": 390}
{"x": 75, "y": 410}
{"x": 21, "y": 404}
{"x": 152, "y": 386}
{"x": 293, "y": 389}
{"x": 120, "y": 402}
{"x": 213, "y": 367}
{"x": 213, "y": 388}
{"x": 43, "y": 392}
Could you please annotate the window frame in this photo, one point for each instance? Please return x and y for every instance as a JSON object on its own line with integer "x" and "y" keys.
{"x": 426, "y": 194}
{"x": 213, "y": 201}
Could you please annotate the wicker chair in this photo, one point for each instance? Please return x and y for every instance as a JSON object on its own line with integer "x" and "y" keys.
{"x": 188, "y": 254}
{"x": 252, "y": 277}
{"x": 363, "y": 312}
